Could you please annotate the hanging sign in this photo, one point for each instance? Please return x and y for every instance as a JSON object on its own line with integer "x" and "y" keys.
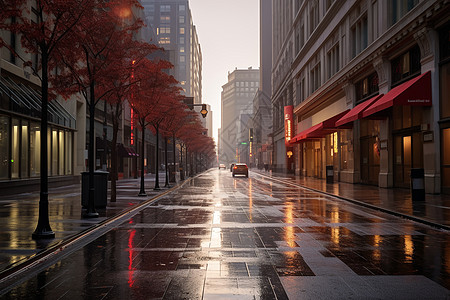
{"x": 288, "y": 123}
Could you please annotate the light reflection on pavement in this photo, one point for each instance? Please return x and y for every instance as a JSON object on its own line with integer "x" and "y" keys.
{"x": 250, "y": 238}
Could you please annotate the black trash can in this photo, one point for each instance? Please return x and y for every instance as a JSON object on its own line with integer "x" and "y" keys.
{"x": 172, "y": 174}
{"x": 330, "y": 174}
{"x": 181, "y": 173}
{"x": 100, "y": 186}
{"x": 417, "y": 184}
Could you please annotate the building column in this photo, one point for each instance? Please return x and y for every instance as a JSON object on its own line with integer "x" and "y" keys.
{"x": 386, "y": 176}
{"x": 428, "y": 41}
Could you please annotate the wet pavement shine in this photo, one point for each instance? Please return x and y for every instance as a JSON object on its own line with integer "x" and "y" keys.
{"x": 220, "y": 237}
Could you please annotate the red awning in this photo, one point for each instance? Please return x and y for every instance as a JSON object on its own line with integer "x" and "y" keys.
{"x": 416, "y": 91}
{"x": 319, "y": 130}
{"x": 357, "y": 111}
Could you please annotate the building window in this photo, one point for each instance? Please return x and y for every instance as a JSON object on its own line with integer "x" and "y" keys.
{"x": 164, "y": 8}
{"x": 182, "y": 7}
{"x": 164, "y": 40}
{"x": 333, "y": 60}
{"x": 165, "y": 19}
{"x": 181, "y": 19}
{"x": 399, "y": 8}
{"x": 182, "y": 58}
{"x": 163, "y": 30}
{"x": 313, "y": 17}
{"x": 315, "y": 78}
{"x": 366, "y": 87}
{"x": 181, "y": 30}
{"x": 359, "y": 36}
{"x": 181, "y": 40}
{"x": 181, "y": 49}
{"x": 405, "y": 65}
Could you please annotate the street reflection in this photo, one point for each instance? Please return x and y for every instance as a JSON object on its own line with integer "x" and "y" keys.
{"x": 250, "y": 200}
{"x": 409, "y": 249}
{"x": 130, "y": 250}
{"x": 289, "y": 235}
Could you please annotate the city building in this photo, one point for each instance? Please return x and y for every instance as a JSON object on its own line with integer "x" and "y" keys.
{"x": 368, "y": 86}
{"x": 176, "y": 33}
{"x": 236, "y": 100}
{"x": 261, "y": 146}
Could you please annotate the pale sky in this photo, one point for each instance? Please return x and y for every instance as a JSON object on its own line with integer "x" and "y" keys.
{"x": 228, "y": 31}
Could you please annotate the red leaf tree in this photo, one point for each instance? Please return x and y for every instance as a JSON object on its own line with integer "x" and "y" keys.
{"x": 42, "y": 31}
{"x": 153, "y": 98}
{"x": 93, "y": 52}
{"x": 117, "y": 86}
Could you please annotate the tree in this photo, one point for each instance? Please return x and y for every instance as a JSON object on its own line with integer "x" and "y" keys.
{"x": 118, "y": 87}
{"x": 153, "y": 97}
{"x": 92, "y": 54}
{"x": 42, "y": 31}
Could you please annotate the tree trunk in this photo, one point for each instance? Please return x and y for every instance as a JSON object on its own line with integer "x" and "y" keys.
{"x": 91, "y": 213}
{"x": 142, "y": 191}
{"x": 157, "y": 159}
{"x": 174, "y": 158}
{"x": 166, "y": 163}
{"x": 43, "y": 229}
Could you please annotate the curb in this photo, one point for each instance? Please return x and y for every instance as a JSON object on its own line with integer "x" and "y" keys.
{"x": 364, "y": 204}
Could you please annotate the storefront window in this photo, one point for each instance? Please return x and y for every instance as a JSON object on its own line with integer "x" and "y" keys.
{"x": 24, "y": 151}
{"x": 406, "y": 116}
{"x": 345, "y": 137}
{"x": 68, "y": 152}
{"x": 49, "y": 151}
{"x": 445, "y": 91}
{"x": 15, "y": 153}
{"x": 61, "y": 152}
{"x": 4, "y": 146}
{"x": 35, "y": 150}
{"x": 54, "y": 152}
{"x": 446, "y": 160}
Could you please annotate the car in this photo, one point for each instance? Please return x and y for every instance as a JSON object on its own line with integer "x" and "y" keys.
{"x": 240, "y": 169}
{"x": 222, "y": 166}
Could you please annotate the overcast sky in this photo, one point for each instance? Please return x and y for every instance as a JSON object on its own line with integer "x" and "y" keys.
{"x": 228, "y": 31}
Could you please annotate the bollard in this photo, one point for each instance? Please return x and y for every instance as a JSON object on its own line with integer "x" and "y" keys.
{"x": 417, "y": 185}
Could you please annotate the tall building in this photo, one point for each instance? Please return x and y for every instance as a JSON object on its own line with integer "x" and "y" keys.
{"x": 236, "y": 101}
{"x": 368, "y": 86}
{"x": 176, "y": 33}
{"x": 262, "y": 105}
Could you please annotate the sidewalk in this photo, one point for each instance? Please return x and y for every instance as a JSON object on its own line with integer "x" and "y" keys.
{"x": 434, "y": 211}
{"x": 19, "y": 215}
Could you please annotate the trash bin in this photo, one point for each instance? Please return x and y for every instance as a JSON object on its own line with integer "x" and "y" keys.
{"x": 181, "y": 173}
{"x": 100, "y": 186}
{"x": 417, "y": 184}
{"x": 330, "y": 174}
{"x": 172, "y": 173}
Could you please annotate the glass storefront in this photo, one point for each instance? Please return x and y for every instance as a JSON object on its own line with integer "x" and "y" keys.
{"x": 20, "y": 151}
{"x": 4, "y": 147}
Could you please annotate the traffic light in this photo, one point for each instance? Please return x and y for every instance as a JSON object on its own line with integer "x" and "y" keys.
{"x": 250, "y": 134}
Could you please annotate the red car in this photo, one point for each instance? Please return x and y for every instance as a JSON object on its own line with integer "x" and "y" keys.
{"x": 240, "y": 169}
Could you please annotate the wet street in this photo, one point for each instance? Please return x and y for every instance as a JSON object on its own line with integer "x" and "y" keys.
{"x": 219, "y": 237}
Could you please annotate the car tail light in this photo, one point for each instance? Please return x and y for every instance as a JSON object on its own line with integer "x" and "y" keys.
{"x": 235, "y": 167}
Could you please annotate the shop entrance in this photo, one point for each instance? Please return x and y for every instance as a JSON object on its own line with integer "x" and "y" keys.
{"x": 407, "y": 155}
{"x": 317, "y": 160}
{"x": 370, "y": 160}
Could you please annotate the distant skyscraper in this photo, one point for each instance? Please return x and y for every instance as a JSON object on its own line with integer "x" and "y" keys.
{"x": 176, "y": 33}
{"x": 236, "y": 100}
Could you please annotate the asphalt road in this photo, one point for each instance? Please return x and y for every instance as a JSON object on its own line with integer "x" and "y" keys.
{"x": 220, "y": 237}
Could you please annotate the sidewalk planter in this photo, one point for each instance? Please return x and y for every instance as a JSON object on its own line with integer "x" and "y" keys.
{"x": 100, "y": 186}
{"x": 330, "y": 174}
{"x": 417, "y": 185}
